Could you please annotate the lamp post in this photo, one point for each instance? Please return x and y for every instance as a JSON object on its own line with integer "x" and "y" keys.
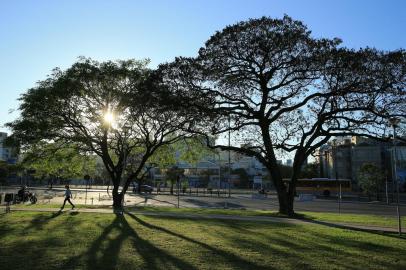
{"x": 229, "y": 159}
{"x": 178, "y": 182}
{"x": 336, "y": 173}
{"x": 219, "y": 182}
{"x": 229, "y": 153}
{"x": 394, "y": 122}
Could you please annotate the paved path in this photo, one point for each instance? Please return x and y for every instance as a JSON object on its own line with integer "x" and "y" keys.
{"x": 349, "y": 226}
{"x": 236, "y": 201}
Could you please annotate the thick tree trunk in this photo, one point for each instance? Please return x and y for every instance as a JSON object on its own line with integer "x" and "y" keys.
{"x": 285, "y": 203}
{"x": 117, "y": 198}
{"x": 117, "y": 201}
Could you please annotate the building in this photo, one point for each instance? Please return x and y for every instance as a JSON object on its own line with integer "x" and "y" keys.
{"x": 6, "y": 153}
{"x": 213, "y": 170}
{"x": 342, "y": 159}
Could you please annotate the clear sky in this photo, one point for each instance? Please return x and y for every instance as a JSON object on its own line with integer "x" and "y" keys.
{"x": 36, "y": 36}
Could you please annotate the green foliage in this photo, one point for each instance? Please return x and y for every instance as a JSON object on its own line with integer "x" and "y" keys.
{"x": 370, "y": 178}
{"x": 276, "y": 88}
{"x": 53, "y": 160}
{"x": 190, "y": 150}
{"x": 172, "y": 174}
{"x": 104, "y": 108}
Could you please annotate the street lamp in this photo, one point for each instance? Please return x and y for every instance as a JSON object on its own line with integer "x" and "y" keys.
{"x": 394, "y": 122}
{"x": 336, "y": 173}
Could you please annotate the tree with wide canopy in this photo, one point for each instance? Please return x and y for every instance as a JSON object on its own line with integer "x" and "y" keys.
{"x": 104, "y": 108}
{"x": 277, "y": 89}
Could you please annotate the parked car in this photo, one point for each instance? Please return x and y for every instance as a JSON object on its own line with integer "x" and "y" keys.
{"x": 144, "y": 188}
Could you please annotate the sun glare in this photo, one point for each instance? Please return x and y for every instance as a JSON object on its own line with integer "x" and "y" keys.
{"x": 108, "y": 117}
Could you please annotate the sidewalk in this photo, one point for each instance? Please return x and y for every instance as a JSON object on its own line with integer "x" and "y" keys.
{"x": 340, "y": 225}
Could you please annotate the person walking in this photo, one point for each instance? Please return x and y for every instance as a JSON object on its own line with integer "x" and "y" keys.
{"x": 68, "y": 196}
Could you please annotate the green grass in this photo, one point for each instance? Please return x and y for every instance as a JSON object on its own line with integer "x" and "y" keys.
{"x": 373, "y": 220}
{"x": 359, "y": 219}
{"x": 72, "y": 240}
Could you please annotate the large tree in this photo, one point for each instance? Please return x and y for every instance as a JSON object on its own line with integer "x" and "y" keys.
{"x": 104, "y": 108}
{"x": 277, "y": 89}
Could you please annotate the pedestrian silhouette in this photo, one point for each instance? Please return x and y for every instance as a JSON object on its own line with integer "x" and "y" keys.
{"x": 68, "y": 196}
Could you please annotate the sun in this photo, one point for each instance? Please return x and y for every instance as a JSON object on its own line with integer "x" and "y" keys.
{"x": 109, "y": 117}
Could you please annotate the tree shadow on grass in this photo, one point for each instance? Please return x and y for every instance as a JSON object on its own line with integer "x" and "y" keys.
{"x": 358, "y": 229}
{"x": 104, "y": 252}
{"x": 306, "y": 247}
{"x": 39, "y": 221}
{"x": 235, "y": 261}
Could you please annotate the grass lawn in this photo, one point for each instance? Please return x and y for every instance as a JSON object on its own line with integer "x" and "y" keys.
{"x": 370, "y": 220}
{"x": 72, "y": 240}
{"x": 373, "y": 220}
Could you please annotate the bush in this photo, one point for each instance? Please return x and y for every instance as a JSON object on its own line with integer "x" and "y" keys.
{"x": 370, "y": 179}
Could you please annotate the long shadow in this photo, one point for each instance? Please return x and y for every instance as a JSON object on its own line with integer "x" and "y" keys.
{"x": 152, "y": 254}
{"x": 202, "y": 203}
{"x": 237, "y": 261}
{"x": 367, "y": 257}
{"x": 162, "y": 201}
{"x": 104, "y": 251}
{"x": 347, "y": 227}
{"x": 229, "y": 205}
{"x": 336, "y": 248}
{"x": 199, "y": 203}
{"x": 152, "y": 197}
{"x": 40, "y": 221}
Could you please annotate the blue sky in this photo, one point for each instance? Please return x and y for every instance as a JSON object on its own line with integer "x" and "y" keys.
{"x": 36, "y": 36}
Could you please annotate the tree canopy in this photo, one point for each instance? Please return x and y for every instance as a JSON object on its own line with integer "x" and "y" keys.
{"x": 50, "y": 160}
{"x": 266, "y": 82}
{"x": 277, "y": 88}
{"x": 104, "y": 108}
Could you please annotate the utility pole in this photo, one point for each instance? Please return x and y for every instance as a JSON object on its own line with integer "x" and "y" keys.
{"x": 394, "y": 123}
{"x": 336, "y": 173}
{"x": 178, "y": 180}
{"x": 229, "y": 156}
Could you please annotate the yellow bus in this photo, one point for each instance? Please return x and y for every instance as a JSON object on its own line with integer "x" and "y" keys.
{"x": 322, "y": 186}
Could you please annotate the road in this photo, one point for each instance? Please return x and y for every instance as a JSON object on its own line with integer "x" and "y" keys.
{"x": 236, "y": 201}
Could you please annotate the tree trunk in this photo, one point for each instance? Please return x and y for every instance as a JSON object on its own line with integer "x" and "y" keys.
{"x": 285, "y": 204}
{"x": 117, "y": 198}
